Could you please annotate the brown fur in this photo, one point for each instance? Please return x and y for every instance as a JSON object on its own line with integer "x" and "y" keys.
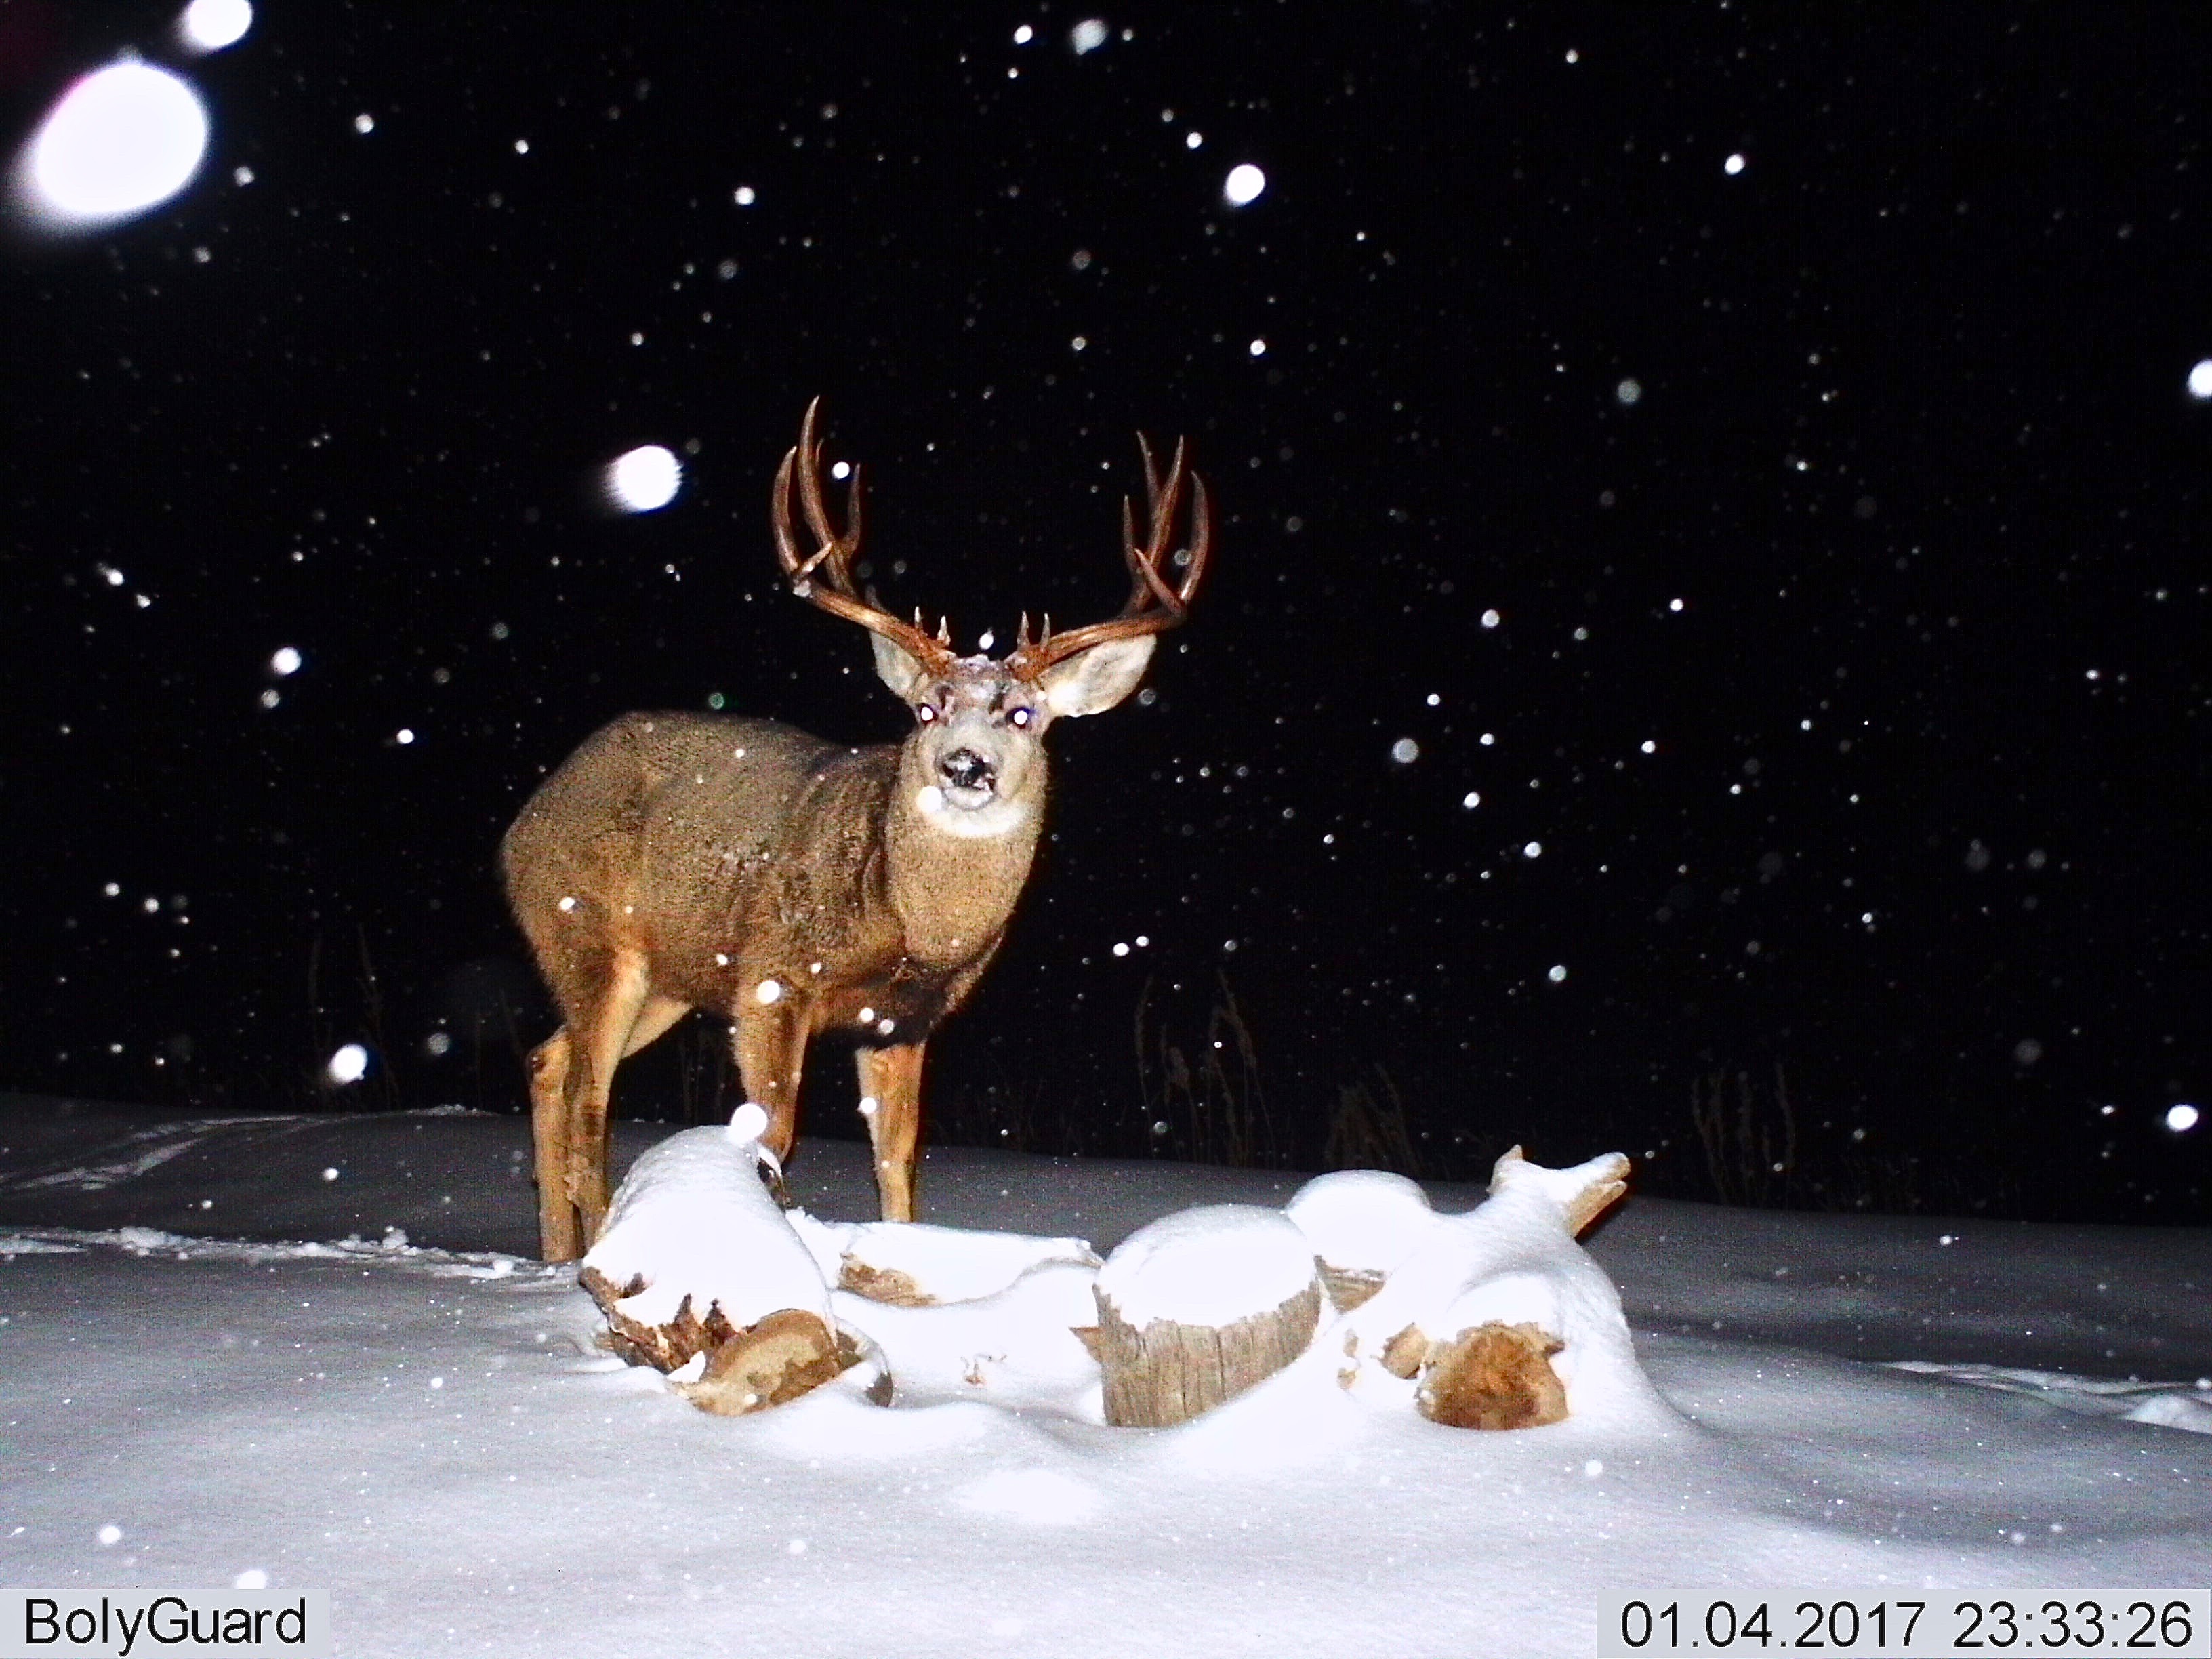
{"x": 679, "y": 839}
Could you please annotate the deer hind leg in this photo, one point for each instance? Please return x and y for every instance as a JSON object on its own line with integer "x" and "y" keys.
{"x": 560, "y": 1237}
{"x": 892, "y": 1079}
{"x": 605, "y": 1025}
{"x": 653, "y": 1021}
{"x": 549, "y": 1132}
{"x": 770, "y": 1041}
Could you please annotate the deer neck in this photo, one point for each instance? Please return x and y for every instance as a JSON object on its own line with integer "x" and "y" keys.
{"x": 954, "y": 877}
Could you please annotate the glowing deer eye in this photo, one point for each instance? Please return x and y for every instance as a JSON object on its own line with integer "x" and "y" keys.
{"x": 1020, "y": 717}
{"x": 926, "y": 712}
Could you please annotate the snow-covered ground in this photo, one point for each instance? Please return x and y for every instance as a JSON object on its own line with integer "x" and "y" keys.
{"x": 315, "y": 1348}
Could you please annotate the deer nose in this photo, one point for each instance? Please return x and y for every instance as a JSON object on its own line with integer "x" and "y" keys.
{"x": 964, "y": 769}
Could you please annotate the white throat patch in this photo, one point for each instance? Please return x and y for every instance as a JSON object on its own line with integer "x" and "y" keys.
{"x": 998, "y": 816}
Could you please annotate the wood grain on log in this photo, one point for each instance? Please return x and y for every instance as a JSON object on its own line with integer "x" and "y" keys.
{"x": 664, "y": 1348}
{"x": 1403, "y": 1353}
{"x": 886, "y": 1285}
{"x": 1493, "y": 1376}
{"x": 749, "y": 1370}
{"x": 781, "y": 1358}
{"x": 1166, "y": 1373}
{"x": 1348, "y": 1287}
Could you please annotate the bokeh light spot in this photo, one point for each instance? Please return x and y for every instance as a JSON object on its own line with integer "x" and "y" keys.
{"x": 125, "y": 138}
{"x": 644, "y": 480}
{"x": 211, "y": 25}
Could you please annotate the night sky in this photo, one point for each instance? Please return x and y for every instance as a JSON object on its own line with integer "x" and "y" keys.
{"x": 1747, "y": 450}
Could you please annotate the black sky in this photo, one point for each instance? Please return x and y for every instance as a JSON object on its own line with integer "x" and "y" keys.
{"x": 1861, "y": 482}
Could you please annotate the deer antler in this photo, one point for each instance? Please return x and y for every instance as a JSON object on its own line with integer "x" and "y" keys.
{"x": 1153, "y": 606}
{"x": 824, "y": 577}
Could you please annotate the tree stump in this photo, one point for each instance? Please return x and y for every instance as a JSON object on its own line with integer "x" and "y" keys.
{"x": 1197, "y": 1308}
{"x": 1165, "y": 1373}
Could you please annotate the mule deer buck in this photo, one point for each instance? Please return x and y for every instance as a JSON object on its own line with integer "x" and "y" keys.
{"x": 684, "y": 860}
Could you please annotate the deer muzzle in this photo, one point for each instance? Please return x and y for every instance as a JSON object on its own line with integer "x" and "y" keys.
{"x": 966, "y": 770}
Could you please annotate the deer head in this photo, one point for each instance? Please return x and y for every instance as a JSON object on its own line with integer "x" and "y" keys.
{"x": 970, "y": 766}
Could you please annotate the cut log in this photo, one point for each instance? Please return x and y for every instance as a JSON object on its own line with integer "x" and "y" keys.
{"x": 1198, "y": 1307}
{"x": 911, "y": 1264}
{"x": 696, "y": 1262}
{"x": 780, "y": 1358}
{"x": 1361, "y": 1222}
{"x": 664, "y": 1346}
{"x": 1493, "y": 1376}
{"x": 886, "y": 1285}
{"x": 748, "y": 1368}
{"x": 1582, "y": 1194}
{"x": 1164, "y": 1373}
{"x": 1475, "y": 1315}
{"x": 1348, "y": 1287}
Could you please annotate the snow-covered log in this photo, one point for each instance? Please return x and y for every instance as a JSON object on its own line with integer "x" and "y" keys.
{"x": 1198, "y": 1307}
{"x": 1494, "y": 1318}
{"x": 1361, "y": 1223}
{"x": 911, "y": 1264}
{"x": 695, "y": 1258}
{"x": 1499, "y": 1319}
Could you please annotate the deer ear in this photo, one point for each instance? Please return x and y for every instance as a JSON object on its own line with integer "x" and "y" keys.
{"x": 895, "y": 668}
{"x": 1091, "y": 682}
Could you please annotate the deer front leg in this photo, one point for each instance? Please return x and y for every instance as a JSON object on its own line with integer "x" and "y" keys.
{"x": 770, "y": 1041}
{"x": 892, "y": 1078}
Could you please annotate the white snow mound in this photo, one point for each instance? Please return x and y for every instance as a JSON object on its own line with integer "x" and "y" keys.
{"x": 957, "y": 1264}
{"x": 1363, "y": 1220}
{"x": 1016, "y": 1348}
{"x": 1513, "y": 1259}
{"x": 693, "y": 1218}
{"x": 1211, "y": 1265}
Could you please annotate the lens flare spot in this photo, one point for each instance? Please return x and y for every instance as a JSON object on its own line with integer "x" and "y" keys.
{"x": 1243, "y": 185}
{"x": 211, "y": 25}
{"x": 123, "y": 139}
{"x": 644, "y": 480}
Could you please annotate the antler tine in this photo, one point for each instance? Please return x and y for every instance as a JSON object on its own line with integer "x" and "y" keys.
{"x": 1152, "y": 605}
{"x": 802, "y": 464}
{"x": 1152, "y": 471}
{"x": 836, "y": 550}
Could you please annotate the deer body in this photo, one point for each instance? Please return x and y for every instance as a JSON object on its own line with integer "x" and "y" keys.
{"x": 677, "y": 861}
{"x": 749, "y": 851}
